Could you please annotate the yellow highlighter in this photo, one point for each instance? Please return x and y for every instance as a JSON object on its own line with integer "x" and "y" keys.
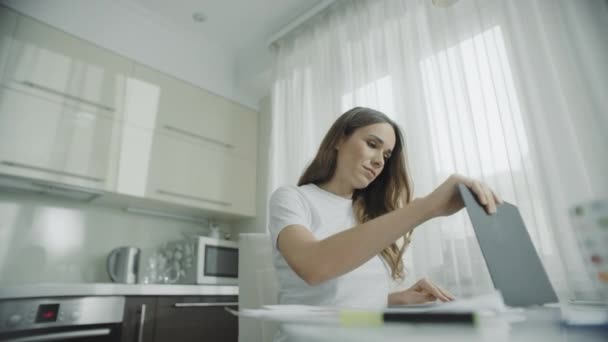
{"x": 357, "y": 318}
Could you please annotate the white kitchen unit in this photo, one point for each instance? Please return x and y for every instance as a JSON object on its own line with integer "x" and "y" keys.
{"x": 45, "y": 140}
{"x": 60, "y": 101}
{"x": 193, "y": 114}
{"x": 49, "y": 63}
{"x": 199, "y": 176}
{"x": 203, "y": 151}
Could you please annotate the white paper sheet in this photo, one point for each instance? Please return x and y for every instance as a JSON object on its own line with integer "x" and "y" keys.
{"x": 488, "y": 302}
{"x": 292, "y": 313}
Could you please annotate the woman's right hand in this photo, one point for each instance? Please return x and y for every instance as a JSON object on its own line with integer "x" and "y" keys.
{"x": 445, "y": 199}
{"x": 423, "y": 291}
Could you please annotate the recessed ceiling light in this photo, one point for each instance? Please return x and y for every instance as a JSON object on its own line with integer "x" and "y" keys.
{"x": 199, "y": 17}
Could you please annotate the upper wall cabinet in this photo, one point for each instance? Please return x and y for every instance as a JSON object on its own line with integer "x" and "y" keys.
{"x": 203, "y": 149}
{"x": 188, "y": 112}
{"x": 192, "y": 175}
{"x": 59, "y": 67}
{"x": 59, "y": 99}
{"x": 42, "y": 139}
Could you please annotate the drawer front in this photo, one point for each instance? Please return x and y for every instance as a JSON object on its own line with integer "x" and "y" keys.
{"x": 196, "y": 319}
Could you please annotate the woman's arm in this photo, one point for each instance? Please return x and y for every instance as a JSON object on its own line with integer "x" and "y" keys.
{"x": 316, "y": 261}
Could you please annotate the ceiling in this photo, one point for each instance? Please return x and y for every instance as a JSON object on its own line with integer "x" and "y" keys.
{"x": 236, "y": 25}
{"x": 241, "y": 27}
{"x": 226, "y": 54}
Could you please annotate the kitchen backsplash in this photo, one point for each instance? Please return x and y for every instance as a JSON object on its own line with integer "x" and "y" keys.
{"x": 45, "y": 239}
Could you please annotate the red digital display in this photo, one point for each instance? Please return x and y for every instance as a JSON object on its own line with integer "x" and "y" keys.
{"x": 47, "y": 313}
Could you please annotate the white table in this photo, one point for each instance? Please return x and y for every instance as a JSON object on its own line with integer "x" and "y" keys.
{"x": 539, "y": 324}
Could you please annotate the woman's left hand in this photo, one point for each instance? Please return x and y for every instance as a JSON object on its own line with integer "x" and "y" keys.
{"x": 422, "y": 292}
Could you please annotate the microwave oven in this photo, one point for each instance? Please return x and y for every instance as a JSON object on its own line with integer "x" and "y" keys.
{"x": 214, "y": 262}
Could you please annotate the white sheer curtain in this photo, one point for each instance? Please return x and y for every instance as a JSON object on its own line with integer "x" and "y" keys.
{"x": 512, "y": 92}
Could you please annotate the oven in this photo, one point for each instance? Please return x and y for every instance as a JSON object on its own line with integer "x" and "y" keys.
{"x": 92, "y": 319}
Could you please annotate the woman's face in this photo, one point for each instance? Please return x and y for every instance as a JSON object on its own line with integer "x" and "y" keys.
{"x": 362, "y": 155}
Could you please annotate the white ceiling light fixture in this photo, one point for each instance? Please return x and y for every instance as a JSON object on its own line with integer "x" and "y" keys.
{"x": 443, "y": 3}
{"x": 199, "y": 17}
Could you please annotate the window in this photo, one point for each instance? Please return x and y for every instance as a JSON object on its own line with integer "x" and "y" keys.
{"x": 377, "y": 94}
{"x": 476, "y": 125}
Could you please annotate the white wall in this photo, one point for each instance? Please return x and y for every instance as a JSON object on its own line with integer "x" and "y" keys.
{"x": 46, "y": 239}
{"x": 258, "y": 224}
{"x": 254, "y": 71}
{"x": 143, "y": 36}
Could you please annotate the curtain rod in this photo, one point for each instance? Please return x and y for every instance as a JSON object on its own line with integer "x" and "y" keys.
{"x": 298, "y": 21}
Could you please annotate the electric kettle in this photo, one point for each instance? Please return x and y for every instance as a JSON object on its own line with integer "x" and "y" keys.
{"x": 123, "y": 264}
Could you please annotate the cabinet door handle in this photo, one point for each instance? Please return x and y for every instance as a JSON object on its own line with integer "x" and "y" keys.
{"x": 142, "y": 321}
{"x": 205, "y": 305}
{"x": 67, "y": 96}
{"x": 55, "y": 172}
{"x": 190, "y": 197}
{"x": 199, "y": 137}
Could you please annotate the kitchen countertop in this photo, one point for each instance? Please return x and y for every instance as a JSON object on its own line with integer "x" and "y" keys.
{"x": 112, "y": 289}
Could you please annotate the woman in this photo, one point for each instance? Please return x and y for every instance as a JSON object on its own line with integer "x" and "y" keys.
{"x": 339, "y": 236}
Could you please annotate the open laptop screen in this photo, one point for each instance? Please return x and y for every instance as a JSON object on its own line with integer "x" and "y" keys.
{"x": 514, "y": 264}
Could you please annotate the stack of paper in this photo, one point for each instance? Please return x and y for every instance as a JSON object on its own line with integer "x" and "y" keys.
{"x": 328, "y": 315}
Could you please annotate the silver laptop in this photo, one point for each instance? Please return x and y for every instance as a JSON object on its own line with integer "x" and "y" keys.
{"x": 514, "y": 265}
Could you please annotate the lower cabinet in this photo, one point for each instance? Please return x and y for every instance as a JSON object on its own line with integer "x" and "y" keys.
{"x": 139, "y": 318}
{"x": 180, "y": 318}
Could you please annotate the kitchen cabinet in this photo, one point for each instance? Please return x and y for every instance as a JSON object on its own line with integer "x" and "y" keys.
{"x": 139, "y": 319}
{"x": 193, "y": 114}
{"x": 204, "y": 147}
{"x": 160, "y": 166}
{"x": 49, "y": 63}
{"x": 195, "y": 319}
{"x": 180, "y": 319}
{"x": 45, "y": 140}
{"x": 61, "y": 100}
{"x": 200, "y": 176}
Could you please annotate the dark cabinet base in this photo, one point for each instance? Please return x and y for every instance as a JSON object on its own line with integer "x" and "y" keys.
{"x": 181, "y": 318}
{"x": 139, "y": 319}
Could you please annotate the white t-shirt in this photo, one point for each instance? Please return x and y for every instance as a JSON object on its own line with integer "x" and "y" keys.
{"x": 325, "y": 214}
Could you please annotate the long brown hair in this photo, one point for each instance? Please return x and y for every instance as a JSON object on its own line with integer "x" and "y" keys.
{"x": 393, "y": 184}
